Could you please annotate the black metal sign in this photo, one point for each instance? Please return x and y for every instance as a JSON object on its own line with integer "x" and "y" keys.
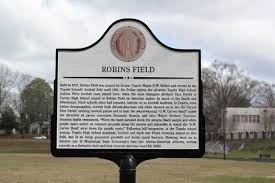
{"x": 128, "y": 94}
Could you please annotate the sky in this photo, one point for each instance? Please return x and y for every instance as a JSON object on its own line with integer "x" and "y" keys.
{"x": 232, "y": 31}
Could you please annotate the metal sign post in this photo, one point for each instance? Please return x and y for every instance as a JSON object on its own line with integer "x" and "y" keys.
{"x": 128, "y": 98}
{"x": 127, "y": 169}
{"x": 127, "y": 165}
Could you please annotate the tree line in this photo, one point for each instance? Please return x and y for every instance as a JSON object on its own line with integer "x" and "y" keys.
{"x": 225, "y": 85}
{"x": 25, "y": 100}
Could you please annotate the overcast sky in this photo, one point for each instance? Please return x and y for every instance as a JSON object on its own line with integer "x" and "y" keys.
{"x": 233, "y": 31}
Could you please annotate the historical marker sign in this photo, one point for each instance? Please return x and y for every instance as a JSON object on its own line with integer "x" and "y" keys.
{"x": 128, "y": 93}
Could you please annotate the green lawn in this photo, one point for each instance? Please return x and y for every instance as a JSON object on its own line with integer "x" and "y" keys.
{"x": 261, "y": 146}
{"x": 252, "y": 149}
{"x": 43, "y": 168}
{"x": 240, "y": 155}
{"x": 29, "y": 161}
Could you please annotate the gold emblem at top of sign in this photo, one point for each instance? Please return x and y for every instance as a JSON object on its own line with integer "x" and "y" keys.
{"x": 128, "y": 43}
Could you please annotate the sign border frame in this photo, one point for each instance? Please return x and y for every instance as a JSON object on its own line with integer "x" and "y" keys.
{"x": 105, "y": 153}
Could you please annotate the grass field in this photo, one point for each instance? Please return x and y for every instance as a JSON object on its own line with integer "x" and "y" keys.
{"x": 36, "y": 168}
{"x": 24, "y": 146}
{"x": 252, "y": 150}
{"x": 28, "y": 161}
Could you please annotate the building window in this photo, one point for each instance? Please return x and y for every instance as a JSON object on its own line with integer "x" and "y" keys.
{"x": 273, "y": 118}
{"x": 258, "y": 119}
{"x": 234, "y": 118}
{"x": 242, "y": 118}
{"x": 237, "y": 118}
{"x": 254, "y": 118}
{"x": 246, "y": 119}
{"x": 250, "y": 118}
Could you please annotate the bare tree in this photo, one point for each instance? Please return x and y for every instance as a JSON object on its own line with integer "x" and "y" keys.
{"x": 8, "y": 80}
{"x": 224, "y": 85}
{"x": 266, "y": 97}
{"x": 23, "y": 80}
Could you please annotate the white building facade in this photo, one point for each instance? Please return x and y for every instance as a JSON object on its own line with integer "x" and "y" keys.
{"x": 248, "y": 120}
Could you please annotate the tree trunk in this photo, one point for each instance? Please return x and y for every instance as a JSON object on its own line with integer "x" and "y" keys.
{"x": 40, "y": 128}
{"x": 22, "y": 132}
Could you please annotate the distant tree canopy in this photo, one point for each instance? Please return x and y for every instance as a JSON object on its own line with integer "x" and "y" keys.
{"x": 224, "y": 85}
{"x": 37, "y": 100}
{"x": 8, "y": 121}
